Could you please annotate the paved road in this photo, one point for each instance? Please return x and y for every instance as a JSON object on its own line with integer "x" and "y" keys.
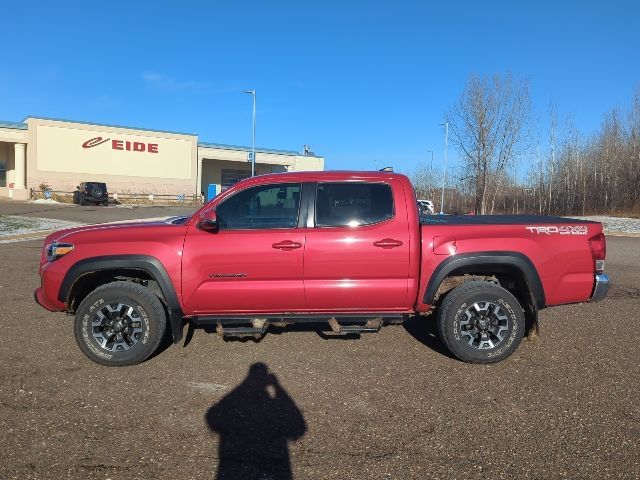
{"x": 387, "y": 406}
{"x": 90, "y": 214}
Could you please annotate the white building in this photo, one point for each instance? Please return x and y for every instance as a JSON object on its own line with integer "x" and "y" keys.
{"x": 64, "y": 153}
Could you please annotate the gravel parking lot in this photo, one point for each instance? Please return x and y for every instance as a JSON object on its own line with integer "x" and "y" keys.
{"x": 392, "y": 405}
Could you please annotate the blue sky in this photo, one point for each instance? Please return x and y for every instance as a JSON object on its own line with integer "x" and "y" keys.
{"x": 364, "y": 83}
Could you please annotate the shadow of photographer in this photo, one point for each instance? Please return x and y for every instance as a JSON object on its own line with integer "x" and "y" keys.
{"x": 255, "y": 423}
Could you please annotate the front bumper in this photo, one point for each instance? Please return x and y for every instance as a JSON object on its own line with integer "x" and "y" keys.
{"x": 41, "y": 299}
{"x": 601, "y": 287}
{"x": 51, "y": 276}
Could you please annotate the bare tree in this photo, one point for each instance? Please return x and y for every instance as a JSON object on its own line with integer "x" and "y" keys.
{"x": 424, "y": 182}
{"x": 577, "y": 174}
{"x": 489, "y": 127}
{"x": 599, "y": 173}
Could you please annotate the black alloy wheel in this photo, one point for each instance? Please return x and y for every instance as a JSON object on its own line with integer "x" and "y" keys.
{"x": 120, "y": 323}
{"x": 481, "y": 322}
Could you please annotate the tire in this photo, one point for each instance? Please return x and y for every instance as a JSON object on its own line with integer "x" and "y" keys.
{"x": 82, "y": 202}
{"x": 480, "y": 322}
{"x": 120, "y": 323}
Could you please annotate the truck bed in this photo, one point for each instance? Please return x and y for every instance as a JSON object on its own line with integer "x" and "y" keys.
{"x": 498, "y": 220}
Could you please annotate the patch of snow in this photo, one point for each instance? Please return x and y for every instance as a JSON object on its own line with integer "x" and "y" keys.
{"x": 45, "y": 200}
{"x": 11, "y": 225}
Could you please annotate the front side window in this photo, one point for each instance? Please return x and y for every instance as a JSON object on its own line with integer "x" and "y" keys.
{"x": 353, "y": 204}
{"x": 265, "y": 206}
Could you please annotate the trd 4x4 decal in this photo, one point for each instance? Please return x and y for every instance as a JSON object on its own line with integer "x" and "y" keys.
{"x": 563, "y": 230}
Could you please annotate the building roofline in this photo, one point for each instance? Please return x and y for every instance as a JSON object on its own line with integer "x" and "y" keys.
{"x": 128, "y": 127}
{"x": 23, "y": 126}
{"x": 16, "y": 125}
{"x": 241, "y": 148}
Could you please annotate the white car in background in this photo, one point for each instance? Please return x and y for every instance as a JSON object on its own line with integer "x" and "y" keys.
{"x": 426, "y": 207}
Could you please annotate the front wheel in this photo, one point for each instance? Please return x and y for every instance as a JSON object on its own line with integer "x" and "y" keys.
{"x": 120, "y": 323}
{"x": 481, "y": 322}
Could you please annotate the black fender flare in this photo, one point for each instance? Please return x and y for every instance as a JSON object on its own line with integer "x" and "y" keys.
{"x": 146, "y": 263}
{"x": 502, "y": 258}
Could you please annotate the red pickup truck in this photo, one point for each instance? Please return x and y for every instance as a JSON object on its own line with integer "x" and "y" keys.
{"x": 344, "y": 251}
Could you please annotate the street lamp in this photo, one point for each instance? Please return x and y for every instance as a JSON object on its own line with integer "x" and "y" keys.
{"x": 444, "y": 177}
{"x": 430, "y": 175}
{"x": 253, "y": 142}
{"x": 431, "y": 152}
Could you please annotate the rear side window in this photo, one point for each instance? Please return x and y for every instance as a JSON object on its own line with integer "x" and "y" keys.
{"x": 353, "y": 204}
{"x": 265, "y": 206}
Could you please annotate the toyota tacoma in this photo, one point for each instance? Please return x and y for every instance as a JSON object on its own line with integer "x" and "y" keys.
{"x": 346, "y": 252}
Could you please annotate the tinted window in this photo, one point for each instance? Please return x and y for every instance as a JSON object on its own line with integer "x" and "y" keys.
{"x": 91, "y": 185}
{"x": 353, "y": 204}
{"x": 268, "y": 206}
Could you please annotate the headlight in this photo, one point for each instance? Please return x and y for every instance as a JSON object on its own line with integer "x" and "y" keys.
{"x": 57, "y": 250}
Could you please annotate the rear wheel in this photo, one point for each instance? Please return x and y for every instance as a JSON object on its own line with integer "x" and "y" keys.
{"x": 120, "y": 323}
{"x": 82, "y": 202}
{"x": 481, "y": 322}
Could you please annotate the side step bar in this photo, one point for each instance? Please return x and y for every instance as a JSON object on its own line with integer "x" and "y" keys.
{"x": 339, "y": 324}
{"x": 255, "y": 328}
{"x": 371, "y": 326}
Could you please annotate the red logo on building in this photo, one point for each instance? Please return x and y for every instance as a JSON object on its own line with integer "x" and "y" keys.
{"x": 94, "y": 142}
{"x": 122, "y": 145}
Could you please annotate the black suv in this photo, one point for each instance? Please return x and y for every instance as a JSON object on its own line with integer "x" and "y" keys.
{"x": 91, "y": 192}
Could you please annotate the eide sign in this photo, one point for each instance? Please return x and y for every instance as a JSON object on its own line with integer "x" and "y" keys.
{"x": 122, "y": 145}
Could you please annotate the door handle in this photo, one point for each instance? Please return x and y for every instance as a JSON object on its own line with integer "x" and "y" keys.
{"x": 387, "y": 243}
{"x": 287, "y": 245}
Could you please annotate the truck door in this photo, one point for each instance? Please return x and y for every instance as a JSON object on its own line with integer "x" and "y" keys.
{"x": 357, "y": 253}
{"x": 253, "y": 263}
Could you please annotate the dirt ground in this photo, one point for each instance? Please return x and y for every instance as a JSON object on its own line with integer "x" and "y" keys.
{"x": 391, "y": 405}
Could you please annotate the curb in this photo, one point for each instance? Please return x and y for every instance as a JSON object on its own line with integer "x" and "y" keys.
{"x": 622, "y": 234}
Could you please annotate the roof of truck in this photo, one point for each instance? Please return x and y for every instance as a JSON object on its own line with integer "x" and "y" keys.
{"x": 327, "y": 175}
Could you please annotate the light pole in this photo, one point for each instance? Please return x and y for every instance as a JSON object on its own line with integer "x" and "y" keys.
{"x": 431, "y": 152}
{"x": 253, "y": 141}
{"x": 430, "y": 175}
{"x": 444, "y": 177}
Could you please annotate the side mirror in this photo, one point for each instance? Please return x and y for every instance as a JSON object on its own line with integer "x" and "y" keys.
{"x": 77, "y": 187}
{"x": 208, "y": 221}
